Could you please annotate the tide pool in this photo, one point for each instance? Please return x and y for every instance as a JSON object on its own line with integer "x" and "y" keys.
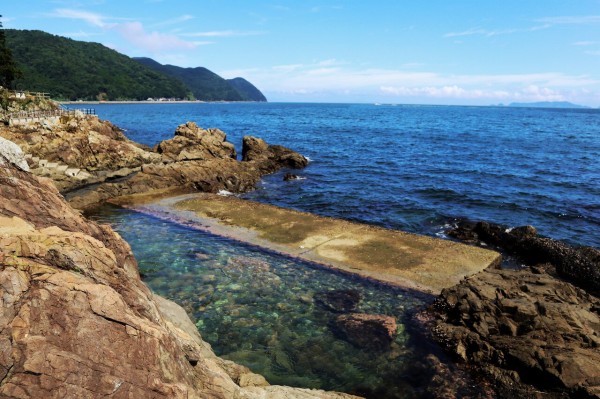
{"x": 258, "y": 308}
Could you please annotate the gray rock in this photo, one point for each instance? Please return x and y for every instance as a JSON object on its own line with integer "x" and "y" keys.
{"x": 13, "y": 154}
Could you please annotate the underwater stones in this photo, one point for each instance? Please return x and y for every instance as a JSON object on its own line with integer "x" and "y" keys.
{"x": 366, "y": 331}
{"x": 339, "y": 301}
{"x": 290, "y": 176}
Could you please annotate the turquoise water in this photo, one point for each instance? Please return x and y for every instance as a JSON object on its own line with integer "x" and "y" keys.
{"x": 258, "y": 309}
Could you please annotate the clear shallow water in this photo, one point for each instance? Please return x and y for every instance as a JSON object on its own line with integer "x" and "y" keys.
{"x": 414, "y": 168}
{"x": 258, "y": 309}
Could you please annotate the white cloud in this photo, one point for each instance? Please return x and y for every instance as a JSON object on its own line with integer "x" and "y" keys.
{"x": 174, "y": 21}
{"x": 585, "y": 43}
{"x": 496, "y": 32}
{"x": 89, "y": 17}
{"x": 572, "y": 20}
{"x": 223, "y": 33}
{"x": 135, "y": 33}
{"x": 316, "y": 81}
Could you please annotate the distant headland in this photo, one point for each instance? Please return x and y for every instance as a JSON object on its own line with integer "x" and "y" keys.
{"x": 74, "y": 70}
{"x": 548, "y": 104}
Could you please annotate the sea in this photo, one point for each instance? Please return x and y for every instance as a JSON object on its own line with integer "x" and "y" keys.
{"x": 417, "y": 168}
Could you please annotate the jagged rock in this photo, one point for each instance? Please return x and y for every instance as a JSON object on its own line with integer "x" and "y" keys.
{"x": 581, "y": 266}
{"x": 12, "y": 153}
{"x": 195, "y": 159}
{"x": 270, "y": 157}
{"x": 77, "y": 321}
{"x": 524, "y": 327}
{"x": 366, "y": 331}
{"x": 339, "y": 301}
{"x": 194, "y": 143}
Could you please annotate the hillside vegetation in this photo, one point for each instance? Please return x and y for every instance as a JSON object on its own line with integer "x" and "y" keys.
{"x": 74, "y": 70}
{"x": 207, "y": 85}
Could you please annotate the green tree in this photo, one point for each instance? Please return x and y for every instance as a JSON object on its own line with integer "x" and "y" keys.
{"x": 9, "y": 71}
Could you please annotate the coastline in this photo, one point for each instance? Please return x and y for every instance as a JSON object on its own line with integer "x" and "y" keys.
{"x": 156, "y": 102}
{"x": 504, "y": 312}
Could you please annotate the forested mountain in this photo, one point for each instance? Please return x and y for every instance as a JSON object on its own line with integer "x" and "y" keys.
{"x": 247, "y": 89}
{"x": 74, "y": 70}
{"x": 207, "y": 85}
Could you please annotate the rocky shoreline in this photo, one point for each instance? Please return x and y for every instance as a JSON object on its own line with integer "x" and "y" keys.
{"x": 78, "y": 321}
{"x": 69, "y": 284}
{"x": 534, "y": 332}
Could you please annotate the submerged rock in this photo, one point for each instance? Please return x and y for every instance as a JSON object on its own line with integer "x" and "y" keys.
{"x": 366, "y": 331}
{"x": 290, "y": 176}
{"x": 339, "y": 301}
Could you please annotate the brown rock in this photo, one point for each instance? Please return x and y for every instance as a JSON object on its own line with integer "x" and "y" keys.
{"x": 539, "y": 330}
{"x": 77, "y": 322}
{"x": 581, "y": 266}
{"x": 194, "y": 143}
{"x": 367, "y": 331}
{"x": 270, "y": 157}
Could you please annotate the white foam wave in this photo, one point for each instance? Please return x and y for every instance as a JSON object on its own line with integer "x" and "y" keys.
{"x": 224, "y": 193}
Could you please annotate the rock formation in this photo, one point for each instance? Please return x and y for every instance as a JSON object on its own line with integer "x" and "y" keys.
{"x": 525, "y": 330}
{"x": 581, "y": 265}
{"x": 77, "y": 322}
{"x": 194, "y": 143}
{"x": 533, "y": 332}
{"x": 81, "y": 152}
{"x": 13, "y": 154}
{"x": 270, "y": 156}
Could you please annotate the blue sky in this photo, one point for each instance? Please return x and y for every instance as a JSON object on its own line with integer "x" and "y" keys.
{"x": 390, "y": 51}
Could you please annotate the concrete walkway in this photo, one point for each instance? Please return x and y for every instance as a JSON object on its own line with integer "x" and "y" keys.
{"x": 409, "y": 260}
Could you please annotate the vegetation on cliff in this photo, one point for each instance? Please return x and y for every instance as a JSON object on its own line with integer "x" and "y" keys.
{"x": 207, "y": 85}
{"x": 247, "y": 89}
{"x": 74, "y": 70}
{"x": 8, "y": 69}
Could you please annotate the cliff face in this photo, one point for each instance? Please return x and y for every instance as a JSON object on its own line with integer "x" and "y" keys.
{"x": 78, "y": 322}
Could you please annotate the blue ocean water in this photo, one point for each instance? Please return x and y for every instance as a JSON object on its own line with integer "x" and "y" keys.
{"x": 413, "y": 168}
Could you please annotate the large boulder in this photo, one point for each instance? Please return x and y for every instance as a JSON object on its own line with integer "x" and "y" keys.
{"x": 12, "y": 153}
{"x": 270, "y": 157}
{"x": 524, "y": 327}
{"x": 366, "y": 331}
{"x": 191, "y": 142}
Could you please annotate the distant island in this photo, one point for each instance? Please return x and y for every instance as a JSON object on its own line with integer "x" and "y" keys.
{"x": 547, "y": 104}
{"x": 73, "y": 70}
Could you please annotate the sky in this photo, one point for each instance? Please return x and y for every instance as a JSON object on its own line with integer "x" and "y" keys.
{"x": 466, "y": 52}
